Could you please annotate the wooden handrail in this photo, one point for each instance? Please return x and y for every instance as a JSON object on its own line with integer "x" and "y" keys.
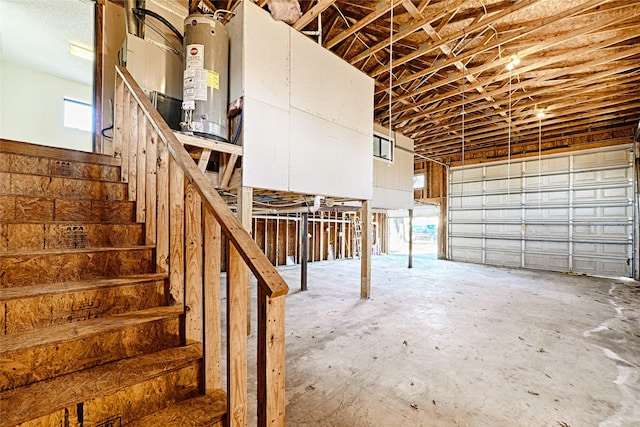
{"x": 184, "y": 217}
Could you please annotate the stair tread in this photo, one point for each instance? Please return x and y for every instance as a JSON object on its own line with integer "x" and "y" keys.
{"x": 79, "y": 330}
{"x": 75, "y": 286}
{"x": 74, "y": 251}
{"x": 17, "y": 405}
{"x": 201, "y": 411}
{"x": 55, "y": 153}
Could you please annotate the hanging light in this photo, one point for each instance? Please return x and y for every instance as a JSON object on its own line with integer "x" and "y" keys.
{"x": 514, "y": 61}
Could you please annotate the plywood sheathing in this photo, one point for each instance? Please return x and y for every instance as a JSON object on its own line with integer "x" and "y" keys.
{"x": 76, "y": 235}
{"x": 42, "y": 354}
{"x": 17, "y": 163}
{"x": 26, "y": 208}
{"x": 202, "y": 411}
{"x": 70, "y": 302}
{"x": 45, "y": 186}
{"x": 57, "y": 266}
{"x": 121, "y": 390}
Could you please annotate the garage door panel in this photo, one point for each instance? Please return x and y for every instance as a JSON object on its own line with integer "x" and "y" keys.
{"x": 569, "y": 212}
{"x": 503, "y": 230}
{"x": 543, "y": 246}
{"x": 502, "y": 258}
{"x": 549, "y": 231}
{"x": 604, "y": 195}
{"x": 612, "y": 232}
{"x": 467, "y": 254}
{"x": 546, "y": 214}
{"x": 546, "y": 261}
{"x": 600, "y": 249}
{"x": 600, "y": 159}
{"x": 601, "y": 267}
{"x": 466, "y": 229}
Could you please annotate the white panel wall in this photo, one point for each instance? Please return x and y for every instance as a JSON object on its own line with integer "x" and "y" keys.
{"x": 32, "y": 108}
{"x": 308, "y": 114}
{"x": 266, "y": 164}
{"x": 393, "y": 182}
{"x": 328, "y": 87}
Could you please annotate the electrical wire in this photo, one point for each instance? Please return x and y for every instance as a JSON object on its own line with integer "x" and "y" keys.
{"x": 140, "y": 12}
{"x": 390, "y": 70}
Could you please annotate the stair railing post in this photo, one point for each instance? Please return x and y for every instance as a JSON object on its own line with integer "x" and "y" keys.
{"x": 236, "y": 339}
{"x": 193, "y": 265}
{"x": 212, "y": 249}
{"x": 271, "y": 360}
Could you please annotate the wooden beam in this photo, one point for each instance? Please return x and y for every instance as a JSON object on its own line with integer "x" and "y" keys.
{"x": 176, "y": 224}
{"x": 271, "y": 361}
{"x": 209, "y": 144}
{"x": 382, "y": 7}
{"x": 228, "y": 171}
{"x": 212, "y": 320}
{"x": 193, "y": 266}
{"x": 365, "y": 255}
{"x": 237, "y": 339}
{"x": 245, "y": 214}
{"x": 312, "y": 14}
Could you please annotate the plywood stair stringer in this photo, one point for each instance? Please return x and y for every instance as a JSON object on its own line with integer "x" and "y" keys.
{"x": 87, "y": 333}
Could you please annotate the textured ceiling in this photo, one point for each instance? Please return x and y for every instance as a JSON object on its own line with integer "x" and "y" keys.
{"x": 36, "y": 34}
{"x": 579, "y": 64}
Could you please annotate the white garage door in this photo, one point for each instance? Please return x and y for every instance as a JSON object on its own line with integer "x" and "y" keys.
{"x": 570, "y": 212}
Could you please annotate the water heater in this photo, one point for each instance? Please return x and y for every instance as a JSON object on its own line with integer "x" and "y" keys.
{"x": 206, "y": 77}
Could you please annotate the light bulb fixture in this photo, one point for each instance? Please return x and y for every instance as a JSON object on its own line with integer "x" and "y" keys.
{"x": 540, "y": 114}
{"x": 81, "y": 51}
{"x": 513, "y": 62}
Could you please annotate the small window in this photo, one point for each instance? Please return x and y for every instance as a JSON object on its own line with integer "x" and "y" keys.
{"x": 383, "y": 148}
{"x": 418, "y": 181}
{"x": 78, "y": 115}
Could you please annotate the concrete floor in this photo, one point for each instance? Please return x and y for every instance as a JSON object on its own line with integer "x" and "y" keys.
{"x": 454, "y": 344}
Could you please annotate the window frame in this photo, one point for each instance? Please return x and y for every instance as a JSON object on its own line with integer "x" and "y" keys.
{"x": 70, "y": 101}
{"x": 377, "y": 137}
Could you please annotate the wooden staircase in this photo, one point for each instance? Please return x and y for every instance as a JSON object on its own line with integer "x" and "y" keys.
{"x": 110, "y": 281}
{"x": 89, "y": 337}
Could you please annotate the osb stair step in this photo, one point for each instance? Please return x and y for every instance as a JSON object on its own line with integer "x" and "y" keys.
{"x": 32, "y": 307}
{"x": 113, "y": 394}
{"x": 23, "y": 163}
{"x": 61, "y": 187}
{"x": 28, "y": 208}
{"x": 32, "y": 268}
{"x": 42, "y": 354}
{"x": 55, "y": 153}
{"x": 24, "y": 236}
{"x": 209, "y": 410}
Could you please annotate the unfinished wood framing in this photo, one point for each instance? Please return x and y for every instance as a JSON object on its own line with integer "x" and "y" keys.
{"x": 365, "y": 257}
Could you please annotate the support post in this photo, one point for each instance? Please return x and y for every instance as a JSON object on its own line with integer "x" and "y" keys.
{"x": 245, "y": 212}
{"x": 365, "y": 256}
{"x": 410, "y": 238}
{"x": 304, "y": 250}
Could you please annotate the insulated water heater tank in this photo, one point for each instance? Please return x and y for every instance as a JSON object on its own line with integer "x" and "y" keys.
{"x": 206, "y": 77}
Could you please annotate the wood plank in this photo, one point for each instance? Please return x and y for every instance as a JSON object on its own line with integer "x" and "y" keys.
{"x": 162, "y": 223}
{"x": 312, "y": 14}
{"x": 365, "y": 256}
{"x": 120, "y": 379}
{"x": 204, "y": 159}
{"x": 54, "y": 153}
{"x": 212, "y": 319}
{"x": 245, "y": 214}
{"x": 271, "y": 360}
{"x": 236, "y": 339}
{"x": 151, "y": 187}
{"x": 118, "y": 119}
{"x": 382, "y": 7}
{"x": 258, "y": 263}
{"x": 193, "y": 265}
{"x": 202, "y": 411}
{"x": 126, "y": 131}
{"x": 63, "y": 187}
{"x": 176, "y": 233}
{"x": 228, "y": 171}
{"x": 39, "y": 267}
{"x": 209, "y": 144}
{"x": 42, "y": 354}
{"x": 134, "y": 142}
{"x": 141, "y": 167}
